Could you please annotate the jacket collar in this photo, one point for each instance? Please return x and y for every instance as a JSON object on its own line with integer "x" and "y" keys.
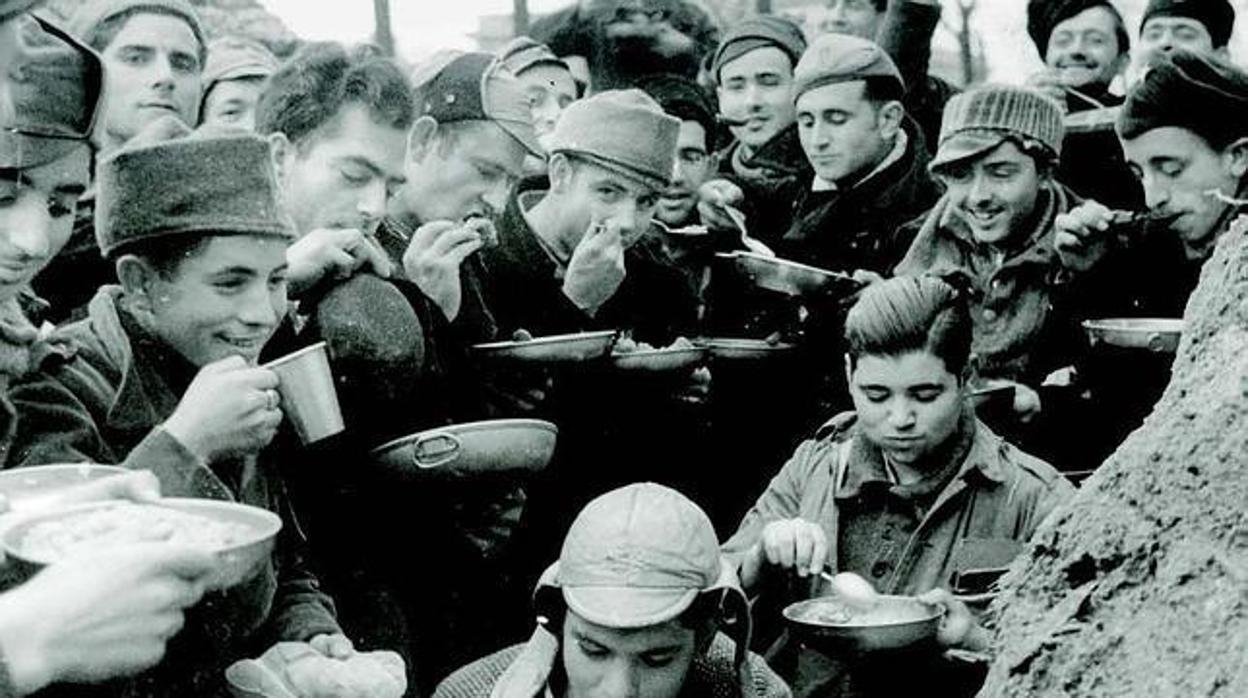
{"x": 973, "y": 445}
{"x": 782, "y": 155}
{"x": 143, "y": 397}
{"x": 894, "y": 156}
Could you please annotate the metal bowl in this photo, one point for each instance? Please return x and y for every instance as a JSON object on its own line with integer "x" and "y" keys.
{"x": 733, "y": 349}
{"x": 471, "y": 448}
{"x": 39, "y": 486}
{"x": 793, "y": 278}
{"x": 1159, "y": 335}
{"x": 560, "y": 348}
{"x": 894, "y": 622}
{"x": 660, "y": 360}
{"x": 235, "y": 563}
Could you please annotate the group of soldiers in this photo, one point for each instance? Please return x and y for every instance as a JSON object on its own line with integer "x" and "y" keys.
{"x": 175, "y": 211}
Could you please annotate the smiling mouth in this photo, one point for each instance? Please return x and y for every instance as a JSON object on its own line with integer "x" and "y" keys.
{"x": 982, "y": 217}
{"x": 245, "y": 344}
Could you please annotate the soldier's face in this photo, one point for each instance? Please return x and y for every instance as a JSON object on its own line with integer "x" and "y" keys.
{"x": 152, "y": 69}
{"x": 37, "y": 207}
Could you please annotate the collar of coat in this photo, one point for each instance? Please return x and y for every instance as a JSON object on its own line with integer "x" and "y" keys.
{"x": 974, "y": 446}
{"x": 779, "y": 157}
{"x": 895, "y": 154}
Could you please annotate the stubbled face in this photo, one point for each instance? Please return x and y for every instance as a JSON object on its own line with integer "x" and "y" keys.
{"x": 995, "y": 193}
{"x": 37, "y": 207}
{"x": 550, "y": 89}
{"x": 843, "y": 134}
{"x": 152, "y": 69}
{"x": 757, "y": 89}
{"x": 907, "y": 405}
{"x": 1178, "y": 170}
{"x": 1161, "y": 35}
{"x": 472, "y": 176}
{"x": 860, "y": 18}
{"x": 233, "y": 103}
{"x": 603, "y": 662}
{"x": 679, "y": 201}
{"x": 589, "y": 195}
{"x": 222, "y": 301}
{"x": 343, "y": 176}
{"x": 1084, "y": 49}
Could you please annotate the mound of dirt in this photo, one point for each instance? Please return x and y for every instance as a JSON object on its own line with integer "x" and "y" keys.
{"x": 1140, "y": 586}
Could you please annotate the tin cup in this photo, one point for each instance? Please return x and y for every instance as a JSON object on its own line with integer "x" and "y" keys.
{"x": 309, "y": 399}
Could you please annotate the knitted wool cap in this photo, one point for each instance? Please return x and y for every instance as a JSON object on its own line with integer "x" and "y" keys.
{"x": 624, "y": 130}
{"x": 1218, "y": 16}
{"x": 169, "y": 181}
{"x": 522, "y": 53}
{"x": 837, "y": 58}
{"x": 92, "y": 13}
{"x": 755, "y": 33}
{"x": 234, "y": 58}
{"x": 53, "y": 87}
{"x": 1044, "y": 15}
{"x": 980, "y": 119}
{"x": 1201, "y": 93}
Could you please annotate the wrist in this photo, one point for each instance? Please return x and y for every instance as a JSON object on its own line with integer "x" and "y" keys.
{"x": 185, "y": 436}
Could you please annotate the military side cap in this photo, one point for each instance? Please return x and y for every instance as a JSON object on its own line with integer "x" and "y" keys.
{"x": 475, "y": 87}
{"x": 235, "y": 58}
{"x": 168, "y": 181}
{"x": 53, "y": 90}
{"x": 623, "y": 130}
{"x": 758, "y": 32}
{"x": 522, "y": 53}
{"x": 837, "y": 58}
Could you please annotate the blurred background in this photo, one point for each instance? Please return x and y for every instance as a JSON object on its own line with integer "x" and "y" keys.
{"x": 977, "y": 40}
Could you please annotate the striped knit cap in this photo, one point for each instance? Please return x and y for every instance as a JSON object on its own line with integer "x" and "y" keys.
{"x": 980, "y": 119}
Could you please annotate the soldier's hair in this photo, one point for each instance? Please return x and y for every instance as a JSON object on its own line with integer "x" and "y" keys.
{"x": 911, "y": 314}
{"x": 304, "y": 99}
{"x": 101, "y": 35}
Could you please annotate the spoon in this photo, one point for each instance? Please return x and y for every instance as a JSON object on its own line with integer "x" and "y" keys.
{"x": 852, "y": 589}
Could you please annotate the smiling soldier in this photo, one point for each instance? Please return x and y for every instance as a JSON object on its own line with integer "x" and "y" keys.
{"x": 997, "y": 156}
{"x": 162, "y": 376}
{"x": 1084, "y": 45}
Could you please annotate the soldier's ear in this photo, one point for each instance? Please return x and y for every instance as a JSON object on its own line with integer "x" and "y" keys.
{"x": 421, "y": 138}
{"x": 892, "y": 114}
{"x": 283, "y": 153}
{"x": 138, "y": 280}
{"x": 1236, "y": 155}
{"x": 559, "y": 170}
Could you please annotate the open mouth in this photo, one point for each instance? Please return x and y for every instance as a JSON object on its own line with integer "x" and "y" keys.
{"x": 247, "y": 345}
{"x": 983, "y": 218}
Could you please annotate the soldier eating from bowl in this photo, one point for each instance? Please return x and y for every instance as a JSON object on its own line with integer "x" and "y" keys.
{"x": 909, "y": 490}
{"x": 634, "y": 606}
{"x": 162, "y": 376}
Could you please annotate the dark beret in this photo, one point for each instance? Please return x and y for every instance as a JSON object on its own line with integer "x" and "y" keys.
{"x": 1202, "y": 93}
{"x": 1044, "y": 15}
{"x": 1218, "y": 16}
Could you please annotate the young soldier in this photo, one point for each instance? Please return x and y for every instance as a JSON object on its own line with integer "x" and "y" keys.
{"x": 910, "y": 490}
{"x": 234, "y": 76}
{"x": 1182, "y": 131}
{"x": 1203, "y": 26}
{"x": 997, "y": 156}
{"x": 103, "y": 615}
{"x": 1085, "y": 47}
{"x": 153, "y": 52}
{"x": 162, "y": 375}
{"x": 646, "y": 627}
{"x": 763, "y": 168}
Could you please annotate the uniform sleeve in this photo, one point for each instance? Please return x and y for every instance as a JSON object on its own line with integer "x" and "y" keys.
{"x": 781, "y": 500}
{"x": 300, "y": 610}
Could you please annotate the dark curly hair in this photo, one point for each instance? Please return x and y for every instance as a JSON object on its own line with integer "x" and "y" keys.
{"x": 310, "y": 91}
